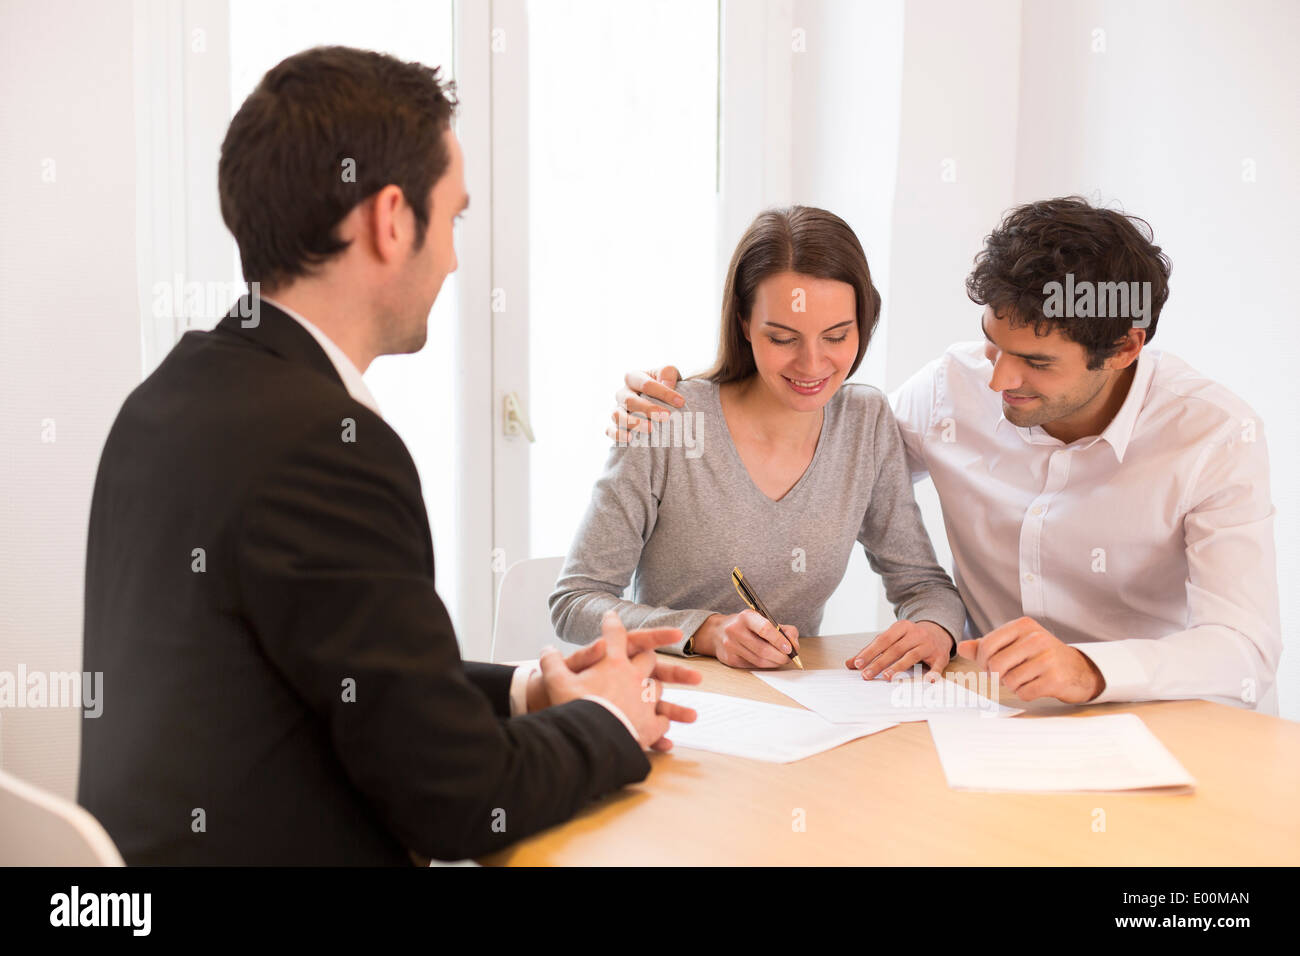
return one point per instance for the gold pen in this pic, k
(750, 598)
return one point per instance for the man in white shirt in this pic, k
(1107, 506)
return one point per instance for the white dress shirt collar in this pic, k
(1120, 430)
(347, 370)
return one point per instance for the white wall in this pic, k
(846, 160)
(1163, 122)
(69, 334)
(956, 168)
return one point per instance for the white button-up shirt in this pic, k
(356, 386)
(1149, 546)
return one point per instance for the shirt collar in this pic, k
(347, 370)
(1119, 432)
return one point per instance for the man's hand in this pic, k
(746, 639)
(637, 647)
(667, 670)
(1031, 662)
(636, 411)
(905, 643)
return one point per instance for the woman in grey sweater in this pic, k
(773, 465)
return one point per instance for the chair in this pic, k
(38, 828)
(523, 625)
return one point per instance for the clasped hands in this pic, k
(622, 667)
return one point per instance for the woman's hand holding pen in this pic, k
(746, 639)
(905, 643)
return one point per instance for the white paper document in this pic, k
(843, 697)
(747, 728)
(1111, 752)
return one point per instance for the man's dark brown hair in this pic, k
(801, 239)
(326, 129)
(1042, 242)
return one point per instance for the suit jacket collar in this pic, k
(270, 328)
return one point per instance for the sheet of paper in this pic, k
(843, 697)
(747, 728)
(1109, 752)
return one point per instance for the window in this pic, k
(623, 268)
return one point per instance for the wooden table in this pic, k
(883, 799)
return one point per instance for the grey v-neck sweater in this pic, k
(675, 515)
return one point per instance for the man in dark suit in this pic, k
(283, 684)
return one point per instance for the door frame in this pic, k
(492, 82)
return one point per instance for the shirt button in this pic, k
(1029, 577)
(1038, 509)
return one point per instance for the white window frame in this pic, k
(182, 96)
(479, 73)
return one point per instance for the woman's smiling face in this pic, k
(804, 332)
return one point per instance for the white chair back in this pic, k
(523, 625)
(38, 828)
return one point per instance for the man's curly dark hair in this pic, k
(1043, 242)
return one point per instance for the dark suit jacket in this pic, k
(293, 693)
